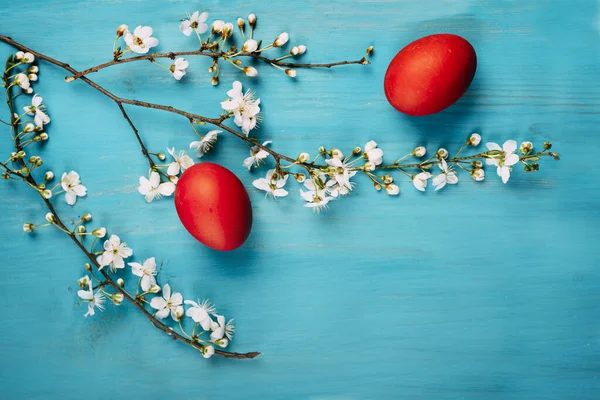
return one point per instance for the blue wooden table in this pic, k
(482, 290)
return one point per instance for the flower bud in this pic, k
(474, 139)
(24, 171)
(121, 282)
(252, 20)
(369, 50)
(29, 127)
(179, 313)
(21, 154)
(29, 90)
(526, 147)
(48, 176)
(356, 151)
(32, 77)
(392, 189)
(154, 289)
(250, 71)
(33, 69)
(81, 229)
(28, 227)
(117, 298)
(376, 184)
(99, 232)
(300, 177)
(122, 29)
(477, 174)
(336, 153)
(87, 217)
(301, 49)
(237, 62)
(295, 51)
(442, 153)
(241, 24)
(250, 46)
(477, 164)
(223, 342)
(419, 151)
(173, 179)
(88, 267)
(5, 175)
(556, 156)
(547, 145)
(217, 26)
(281, 39)
(19, 55)
(321, 150)
(28, 58)
(227, 30)
(214, 80)
(387, 179)
(83, 282)
(50, 217)
(211, 69)
(161, 156)
(291, 72)
(303, 157)
(43, 136)
(207, 351)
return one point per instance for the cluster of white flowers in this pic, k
(165, 303)
(244, 107)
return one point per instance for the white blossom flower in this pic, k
(72, 186)
(205, 144)
(281, 39)
(168, 303)
(146, 272)
(505, 159)
(341, 174)
(221, 329)
(93, 300)
(153, 188)
(316, 198)
(245, 107)
(178, 68)
(477, 174)
(420, 180)
(272, 184)
(474, 139)
(256, 156)
(114, 253)
(200, 313)
(37, 109)
(22, 81)
(447, 176)
(181, 162)
(374, 155)
(250, 46)
(141, 40)
(526, 147)
(195, 22)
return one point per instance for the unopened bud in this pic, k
(281, 39)
(50, 217)
(154, 289)
(419, 151)
(29, 90)
(32, 77)
(121, 282)
(214, 80)
(87, 217)
(241, 24)
(161, 156)
(5, 175)
(81, 229)
(387, 179)
(369, 50)
(300, 177)
(526, 147)
(117, 298)
(223, 342)
(217, 26)
(250, 46)
(321, 150)
(377, 186)
(547, 145)
(122, 29)
(474, 139)
(291, 72)
(46, 194)
(477, 164)
(250, 71)
(24, 171)
(252, 20)
(28, 227)
(43, 136)
(48, 176)
(88, 267)
(33, 69)
(336, 153)
(29, 127)
(303, 157)
(301, 49)
(99, 232)
(356, 151)
(442, 153)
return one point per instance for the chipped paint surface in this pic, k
(479, 291)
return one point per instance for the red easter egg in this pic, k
(430, 74)
(214, 206)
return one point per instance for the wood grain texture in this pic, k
(479, 291)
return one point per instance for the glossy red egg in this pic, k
(214, 206)
(430, 74)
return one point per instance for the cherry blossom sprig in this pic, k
(210, 332)
(215, 46)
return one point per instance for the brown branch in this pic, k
(214, 55)
(91, 257)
